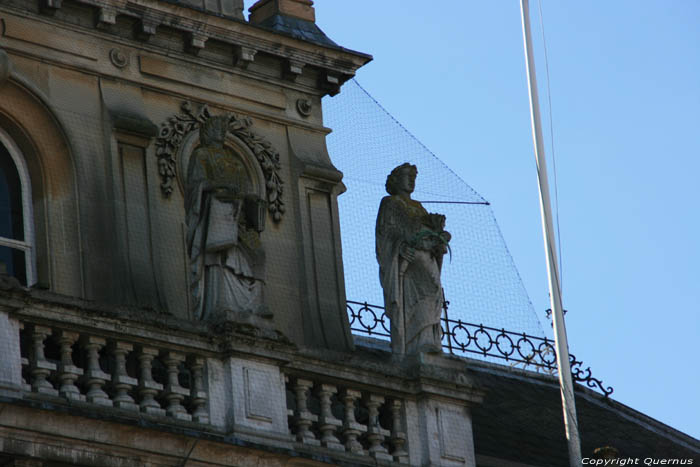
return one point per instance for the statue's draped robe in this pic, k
(221, 277)
(412, 291)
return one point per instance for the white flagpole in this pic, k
(561, 344)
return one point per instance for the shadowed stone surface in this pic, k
(232, 8)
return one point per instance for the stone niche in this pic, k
(299, 258)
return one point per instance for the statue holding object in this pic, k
(410, 244)
(224, 219)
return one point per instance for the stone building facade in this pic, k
(103, 361)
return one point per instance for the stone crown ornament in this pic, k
(173, 131)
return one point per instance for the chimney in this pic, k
(266, 9)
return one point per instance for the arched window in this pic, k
(16, 226)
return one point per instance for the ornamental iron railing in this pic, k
(461, 338)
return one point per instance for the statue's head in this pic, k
(402, 178)
(213, 130)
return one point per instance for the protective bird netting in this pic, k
(480, 279)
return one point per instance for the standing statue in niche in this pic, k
(224, 220)
(410, 245)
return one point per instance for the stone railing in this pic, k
(347, 419)
(95, 369)
(228, 386)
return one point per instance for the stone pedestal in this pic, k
(439, 422)
(445, 429)
(11, 361)
(251, 402)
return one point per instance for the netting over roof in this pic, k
(481, 281)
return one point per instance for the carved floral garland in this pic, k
(173, 131)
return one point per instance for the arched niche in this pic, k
(246, 174)
(27, 119)
(240, 134)
(237, 148)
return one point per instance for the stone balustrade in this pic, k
(223, 385)
(346, 418)
(86, 367)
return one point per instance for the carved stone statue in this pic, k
(410, 245)
(224, 219)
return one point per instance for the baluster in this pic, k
(39, 366)
(148, 388)
(352, 429)
(304, 418)
(94, 377)
(398, 436)
(25, 364)
(198, 394)
(68, 373)
(174, 393)
(375, 433)
(121, 381)
(327, 423)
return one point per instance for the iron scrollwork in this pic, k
(367, 319)
(585, 376)
(459, 337)
(499, 343)
(173, 131)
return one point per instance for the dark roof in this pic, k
(299, 29)
(521, 420)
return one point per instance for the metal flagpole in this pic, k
(561, 344)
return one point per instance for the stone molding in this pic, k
(163, 74)
(199, 27)
(5, 67)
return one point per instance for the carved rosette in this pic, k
(174, 130)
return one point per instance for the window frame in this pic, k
(26, 245)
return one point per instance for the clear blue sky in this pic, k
(625, 87)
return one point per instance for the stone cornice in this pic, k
(335, 64)
(94, 59)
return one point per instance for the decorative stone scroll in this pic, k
(173, 131)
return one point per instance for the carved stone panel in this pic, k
(258, 402)
(325, 323)
(10, 366)
(453, 433)
(257, 382)
(142, 287)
